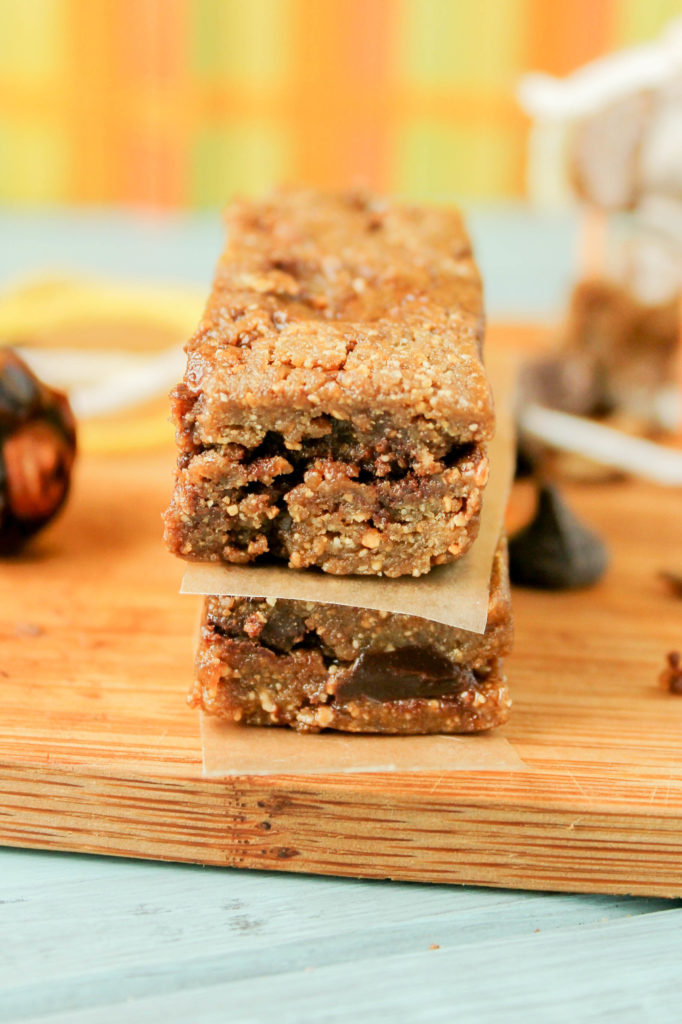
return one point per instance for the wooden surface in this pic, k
(98, 939)
(99, 753)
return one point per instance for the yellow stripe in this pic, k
(136, 433)
(32, 41)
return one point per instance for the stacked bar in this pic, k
(335, 414)
(320, 666)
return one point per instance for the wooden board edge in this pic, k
(308, 827)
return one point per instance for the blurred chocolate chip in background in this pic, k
(555, 551)
(37, 452)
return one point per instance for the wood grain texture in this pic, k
(99, 753)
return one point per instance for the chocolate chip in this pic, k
(555, 551)
(526, 459)
(285, 627)
(409, 672)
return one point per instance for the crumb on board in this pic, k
(673, 581)
(671, 676)
(28, 629)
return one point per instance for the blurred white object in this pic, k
(108, 373)
(611, 131)
(100, 383)
(602, 444)
(605, 81)
(650, 258)
(610, 135)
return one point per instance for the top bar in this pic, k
(335, 408)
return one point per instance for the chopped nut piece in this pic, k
(324, 717)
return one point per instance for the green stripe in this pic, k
(237, 159)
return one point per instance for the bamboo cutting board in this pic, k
(99, 753)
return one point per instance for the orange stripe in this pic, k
(518, 156)
(155, 31)
(175, 70)
(91, 118)
(316, 68)
(336, 85)
(365, 149)
(154, 146)
(562, 35)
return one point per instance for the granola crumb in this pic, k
(673, 580)
(671, 676)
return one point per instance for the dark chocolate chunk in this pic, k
(555, 551)
(279, 627)
(526, 459)
(408, 672)
(284, 628)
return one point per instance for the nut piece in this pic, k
(371, 539)
(324, 717)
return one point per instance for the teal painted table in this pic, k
(87, 939)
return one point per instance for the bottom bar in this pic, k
(263, 661)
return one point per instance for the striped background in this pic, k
(182, 102)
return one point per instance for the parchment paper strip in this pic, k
(234, 750)
(455, 594)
